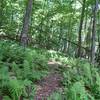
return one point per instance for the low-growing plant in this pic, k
(83, 78)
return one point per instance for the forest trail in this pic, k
(50, 83)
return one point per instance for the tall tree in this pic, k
(94, 33)
(24, 32)
(2, 12)
(88, 38)
(80, 29)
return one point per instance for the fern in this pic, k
(6, 98)
(56, 96)
(78, 92)
(15, 89)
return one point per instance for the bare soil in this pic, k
(49, 84)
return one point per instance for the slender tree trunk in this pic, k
(86, 20)
(88, 38)
(98, 50)
(80, 29)
(24, 32)
(60, 37)
(69, 35)
(1, 12)
(94, 33)
(1, 97)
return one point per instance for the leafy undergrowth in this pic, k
(81, 80)
(20, 69)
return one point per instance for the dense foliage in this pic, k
(54, 24)
(20, 69)
(35, 32)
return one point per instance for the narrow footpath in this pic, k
(50, 83)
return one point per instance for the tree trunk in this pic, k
(24, 32)
(94, 33)
(69, 35)
(1, 13)
(88, 38)
(80, 29)
(1, 97)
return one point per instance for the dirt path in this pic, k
(49, 84)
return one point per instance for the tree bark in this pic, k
(80, 29)
(93, 33)
(1, 97)
(1, 12)
(69, 35)
(88, 38)
(24, 32)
